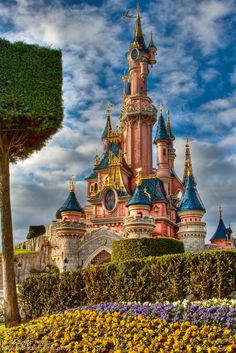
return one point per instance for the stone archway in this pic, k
(101, 256)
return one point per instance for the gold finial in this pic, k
(109, 127)
(137, 9)
(138, 28)
(139, 176)
(124, 79)
(168, 113)
(97, 160)
(188, 162)
(72, 183)
(161, 108)
(109, 108)
(220, 212)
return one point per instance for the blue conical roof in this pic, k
(161, 133)
(71, 204)
(191, 199)
(108, 128)
(139, 197)
(221, 231)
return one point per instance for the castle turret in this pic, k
(222, 238)
(162, 140)
(139, 223)
(69, 230)
(191, 210)
(138, 113)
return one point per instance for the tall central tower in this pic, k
(138, 113)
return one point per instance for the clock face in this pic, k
(110, 200)
(134, 54)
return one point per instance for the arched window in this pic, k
(164, 152)
(95, 187)
(101, 258)
(140, 214)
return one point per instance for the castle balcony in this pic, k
(70, 229)
(139, 227)
(139, 105)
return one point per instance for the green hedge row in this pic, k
(128, 249)
(169, 277)
(47, 293)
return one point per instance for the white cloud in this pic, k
(94, 42)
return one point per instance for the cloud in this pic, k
(93, 40)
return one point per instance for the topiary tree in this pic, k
(35, 231)
(30, 113)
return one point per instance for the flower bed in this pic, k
(136, 328)
(213, 312)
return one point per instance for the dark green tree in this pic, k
(35, 231)
(30, 113)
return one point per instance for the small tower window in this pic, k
(164, 152)
(95, 187)
(140, 214)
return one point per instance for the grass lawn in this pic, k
(23, 252)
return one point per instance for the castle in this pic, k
(127, 196)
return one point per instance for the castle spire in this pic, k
(188, 170)
(108, 128)
(168, 126)
(161, 132)
(221, 231)
(151, 43)
(138, 41)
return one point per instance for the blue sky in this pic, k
(195, 77)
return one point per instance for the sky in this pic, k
(195, 76)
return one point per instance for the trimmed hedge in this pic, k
(42, 294)
(127, 249)
(170, 277)
(35, 231)
(31, 107)
(30, 82)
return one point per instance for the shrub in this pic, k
(44, 294)
(36, 231)
(210, 274)
(205, 274)
(127, 249)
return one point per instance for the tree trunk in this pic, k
(12, 316)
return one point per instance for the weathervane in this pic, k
(127, 16)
